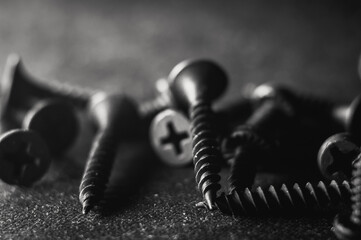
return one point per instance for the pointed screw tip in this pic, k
(86, 209)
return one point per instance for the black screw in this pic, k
(256, 137)
(115, 117)
(194, 84)
(340, 154)
(19, 90)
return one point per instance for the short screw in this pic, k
(24, 157)
(194, 84)
(171, 139)
(115, 117)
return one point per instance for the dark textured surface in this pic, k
(313, 46)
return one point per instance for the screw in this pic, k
(283, 200)
(253, 139)
(170, 138)
(24, 157)
(336, 155)
(340, 154)
(194, 84)
(115, 117)
(19, 90)
(335, 116)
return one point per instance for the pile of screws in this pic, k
(269, 121)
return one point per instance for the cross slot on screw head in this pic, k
(171, 139)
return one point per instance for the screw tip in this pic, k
(209, 198)
(86, 208)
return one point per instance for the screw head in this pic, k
(336, 155)
(56, 122)
(8, 84)
(192, 80)
(171, 138)
(24, 157)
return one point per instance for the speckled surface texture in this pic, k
(127, 45)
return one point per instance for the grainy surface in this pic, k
(127, 45)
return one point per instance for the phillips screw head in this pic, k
(171, 138)
(336, 155)
(24, 157)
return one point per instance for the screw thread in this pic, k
(206, 152)
(97, 169)
(297, 198)
(76, 95)
(249, 146)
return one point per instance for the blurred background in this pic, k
(313, 46)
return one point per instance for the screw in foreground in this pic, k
(170, 138)
(115, 117)
(24, 157)
(194, 84)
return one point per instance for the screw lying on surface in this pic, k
(194, 84)
(19, 90)
(283, 200)
(24, 157)
(115, 117)
(171, 139)
(340, 154)
(253, 139)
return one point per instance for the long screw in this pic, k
(194, 84)
(115, 117)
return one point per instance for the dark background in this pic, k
(126, 45)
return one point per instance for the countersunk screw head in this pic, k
(171, 138)
(56, 122)
(24, 157)
(194, 80)
(336, 155)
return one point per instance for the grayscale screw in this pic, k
(340, 154)
(19, 90)
(116, 117)
(170, 138)
(194, 85)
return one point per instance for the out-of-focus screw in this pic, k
(171, 139)
(253, 139)
(24, 157)
(19, 90)
(336, 155)
(194, 85)
(56, 122)
(115, 117)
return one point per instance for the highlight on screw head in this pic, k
(336, 155)
(56, 122)
(192, 80)
(24, 157)
(170, 138)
